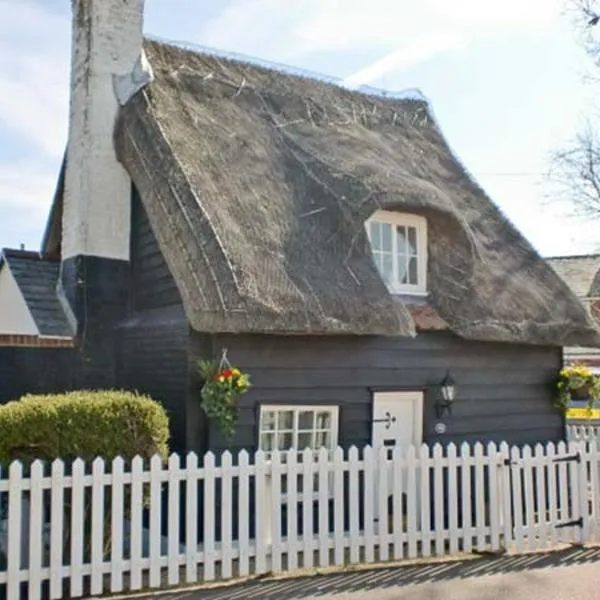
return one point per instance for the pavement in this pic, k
(571, 574)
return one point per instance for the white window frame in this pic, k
(298, 408)
(420, 224)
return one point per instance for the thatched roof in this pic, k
(258, 184)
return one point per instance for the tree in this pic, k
(576, 168)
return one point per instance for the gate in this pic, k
(548, 496)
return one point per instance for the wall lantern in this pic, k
(448, 396)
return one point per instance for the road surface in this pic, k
(572, 574)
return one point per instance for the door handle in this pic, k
(388, 420)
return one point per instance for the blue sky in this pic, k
(506, 81)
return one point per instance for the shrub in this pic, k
(83, 424)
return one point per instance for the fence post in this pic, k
(584, 490)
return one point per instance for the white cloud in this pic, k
(34, 75)
(405, 56)
(27, 185)
(284, 30)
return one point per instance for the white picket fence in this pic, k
(77, 529)
(578, 433)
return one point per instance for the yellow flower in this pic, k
(221, 379)
(235, 372)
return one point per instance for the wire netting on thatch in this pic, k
(258, 184)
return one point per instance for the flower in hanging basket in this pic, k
(577, 382)
(223, 386)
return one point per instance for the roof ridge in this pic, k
(573, 256)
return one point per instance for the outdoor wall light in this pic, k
(448, 396)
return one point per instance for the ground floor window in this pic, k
(283, 428)
(298, 427)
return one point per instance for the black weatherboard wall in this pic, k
(505, 391)
(152, 349)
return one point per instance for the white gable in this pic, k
(15, 318)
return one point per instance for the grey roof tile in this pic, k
(37, 280)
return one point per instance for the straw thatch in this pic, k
(258, 184)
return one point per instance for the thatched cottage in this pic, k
(327, 238)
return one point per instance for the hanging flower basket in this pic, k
(577, 382)
(222, 389)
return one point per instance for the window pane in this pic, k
(386, 237)
(305, 419)
(402, 269)
(387, 268)
(323, 438)
(305, 440)
(401, 247)
(285, 419)
(413, 277)
(412, 240)
(267, 422)
(267, 442)
(323, 420)
(375, 235)
(285, 441)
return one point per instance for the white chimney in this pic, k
(106, 51)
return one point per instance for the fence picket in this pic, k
(594, 491)
(495, 505)
(466, 514)
(338, 506)
(480, 509)
(529, 497)
(383, 468)
(155, 530)
(77, 527)
(552, 494)
(398, 475)
(517, 494)
(97, 539)
(575, 480)
(173, 520)
(244, 513)
(209, 515)
(425, 500)
(412, 501)
(454, 532)
(137, 503)
(57, 518)
(564, 513)
(540, 489)
(275, 512)
(191, 518)
(368, 489)
(323, 495)
(227, 516)
(439, 495)
(308, 464)
(116, 525)
(36, 503)
(291, 545)
(13, 558)
(353, 516)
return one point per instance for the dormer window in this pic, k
(399, 246)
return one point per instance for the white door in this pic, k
(397, 421)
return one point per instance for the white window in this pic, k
(399, 246)
(285, 428)
(298, 427)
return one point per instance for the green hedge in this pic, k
(83, 424)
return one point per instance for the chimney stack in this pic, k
(106, 47)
